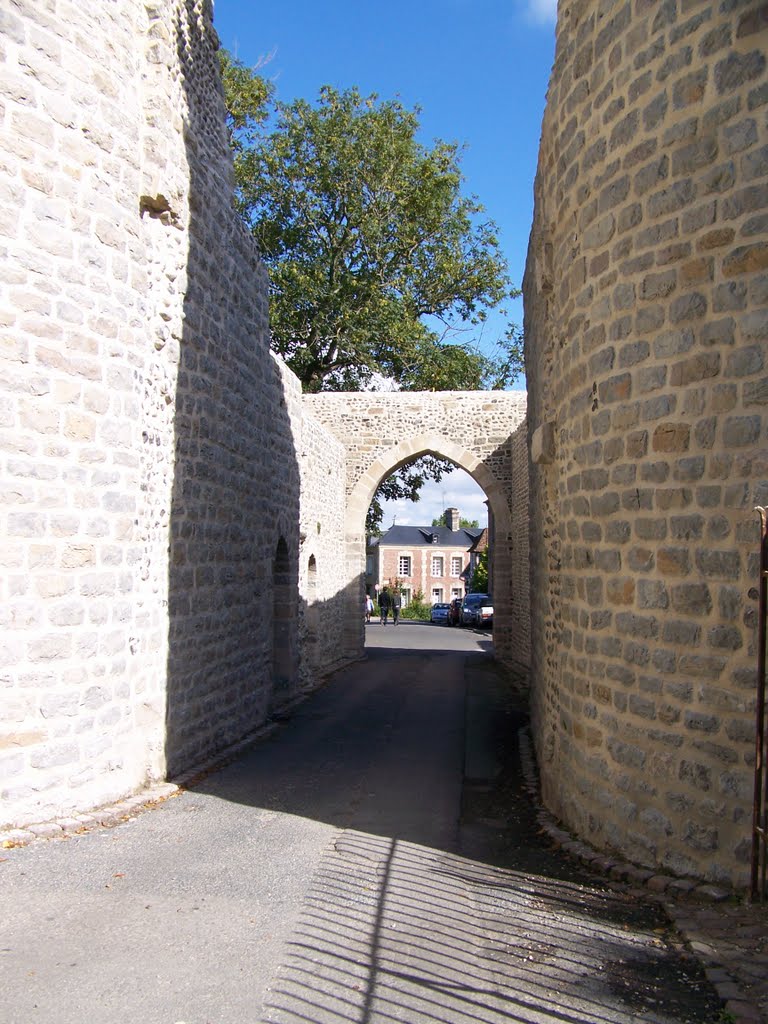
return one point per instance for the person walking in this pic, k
(385, 602)
(368, 607)
(396, 605)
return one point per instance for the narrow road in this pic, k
(374, 860)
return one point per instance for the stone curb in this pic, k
(108, 816)
(736, 1003)
(127, 809)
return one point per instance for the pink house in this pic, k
(432, 559)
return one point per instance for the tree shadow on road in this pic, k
(394, 931)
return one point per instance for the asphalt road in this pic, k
(374, 860)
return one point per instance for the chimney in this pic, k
(451, 518)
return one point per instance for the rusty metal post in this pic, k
(760, 805)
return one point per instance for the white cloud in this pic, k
(543, 12)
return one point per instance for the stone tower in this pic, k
(646, 297)
(146, 525)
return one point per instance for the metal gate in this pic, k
(758, 888)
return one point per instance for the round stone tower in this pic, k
(646, 297)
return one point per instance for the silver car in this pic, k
(477, 610)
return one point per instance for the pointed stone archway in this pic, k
(499, 522)
(480, 432)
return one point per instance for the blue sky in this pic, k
(477, 68)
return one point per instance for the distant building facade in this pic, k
(432, 559)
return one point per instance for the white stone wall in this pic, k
(519, 591)
(81, 714)
(148, 465)
(321, 570)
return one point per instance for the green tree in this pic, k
(417, 608)
(479, 583)
(379, 265)
(248, 96)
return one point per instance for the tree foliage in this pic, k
(247, 95)
(479, 584)
(379, 266)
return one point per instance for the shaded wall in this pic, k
(321, 570)
(234, 511)
(646, 290)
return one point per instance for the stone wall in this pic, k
(151, 535)
(322, 584)
(482, 433)
(83, 639)
(520, 560)
(646, 291)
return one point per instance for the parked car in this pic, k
(477, 610)
(454, 611)
(439, 613)
(484, 613)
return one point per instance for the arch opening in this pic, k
(500, 530)
(283, 616)
(312, 610)
(427, 543)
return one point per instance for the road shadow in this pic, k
(481, 921)
(394, 931)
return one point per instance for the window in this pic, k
(455, 592)
(404, 565)
(406, 596)
(437, 595)
(437, 565)
(456, 565)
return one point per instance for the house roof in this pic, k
(481, 543)
(422, 536)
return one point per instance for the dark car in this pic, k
(477, 610)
